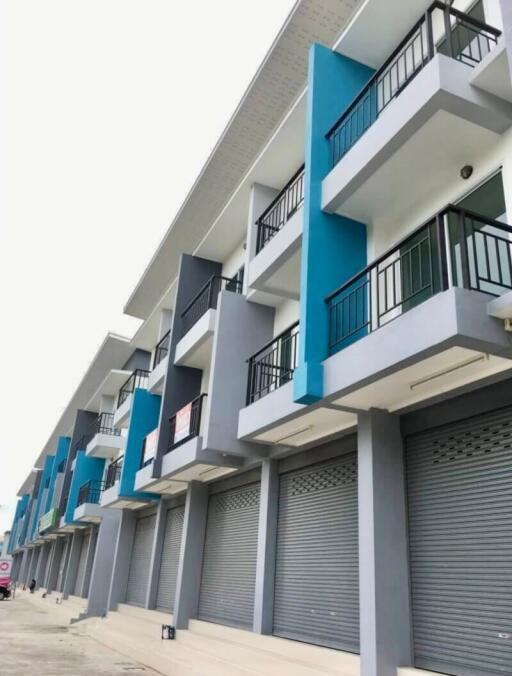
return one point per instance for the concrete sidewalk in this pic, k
(33, 642)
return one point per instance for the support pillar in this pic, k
(89, 560)
(75, 546)
(385, 609)
(64, 562)
(103, 567)
(266, 554)
(121, 561)
(191, 554)
(36, 553)
(41, 566)
(53, 575)
(156, 554)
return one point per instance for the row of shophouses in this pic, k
(310, 434)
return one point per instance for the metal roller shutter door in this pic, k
(82, 561)
(170, 558)
(138, 574)
(229, 562)
(316, 598)
(459, 479)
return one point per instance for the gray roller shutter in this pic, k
(459, 481)
(229, 562)
(168, 573)
(138, 575)
(82, 562)
(62, 564)
(316, 598)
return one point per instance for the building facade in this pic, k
(309, 436)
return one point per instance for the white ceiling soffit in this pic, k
(392, 19)
(278, 82)
(112, 354)
(28, 483)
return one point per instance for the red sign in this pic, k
(5, 572)
(150, 444)
(183, 418)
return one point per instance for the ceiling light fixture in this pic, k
(448, 371)
(294, 434)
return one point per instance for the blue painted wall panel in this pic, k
(61, 453)
(86, 469)
(143, 420)
(333, 247)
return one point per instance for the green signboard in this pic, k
(48, 520)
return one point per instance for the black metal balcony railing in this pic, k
(161, 349)
(206, 299)
(273, 365)
(442, 29)
(456, 247)
(281, 209)
(114, 472)
(104, 424)
(61, 466)
(139, 378)
(196, 409)
(90, 492)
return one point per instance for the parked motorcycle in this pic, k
(5, 593)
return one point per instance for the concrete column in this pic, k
(41, 566)
(191, 554)
(57, 554)
(51, 551)
(385, 608)
(64, 561)
(102, 572)
(31, 566)
(121, 560)
(75, 546)
(89, 560)
(14, 567)
(156, 554)
(266, 555)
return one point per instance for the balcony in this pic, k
(87, 508)
(113, 473)
(415, 324)
(138, 379)
(156, 378)
(418, 110)
(269, 400)
(198, 322)
(273, 366)
(275, 269)
(186, 423)
(105, 439)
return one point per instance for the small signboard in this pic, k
(183, 420)
(48, 520)
(5, 572)
(150, 444)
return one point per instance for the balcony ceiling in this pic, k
(277, 84)
(378, 28)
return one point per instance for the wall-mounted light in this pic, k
(466, 171)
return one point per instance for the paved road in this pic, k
(32, 643)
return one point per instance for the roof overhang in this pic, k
(112, 354)
(279, 81)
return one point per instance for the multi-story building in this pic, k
(309, 436)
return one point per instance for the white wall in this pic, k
(234, 261)
(287, 313)
(383, 234)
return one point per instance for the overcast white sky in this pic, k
(108, 110)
